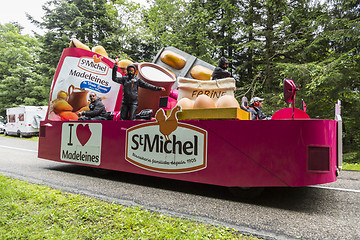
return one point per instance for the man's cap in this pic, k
(256, 99)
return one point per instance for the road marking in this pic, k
(338, 189)
(21, 149)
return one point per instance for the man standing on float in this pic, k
(129, 103)
(221, 70)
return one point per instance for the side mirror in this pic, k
(290, 92)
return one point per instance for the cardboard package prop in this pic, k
(191, 88)
(78, 73)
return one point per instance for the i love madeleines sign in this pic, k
(165, 146)
(81, 143)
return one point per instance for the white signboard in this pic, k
(183, 150)
(81, 143)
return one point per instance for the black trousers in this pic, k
(128, 112)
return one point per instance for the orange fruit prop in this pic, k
(201, 73)
(124, 63)
(61, 105)
(173, 59)
(62, 95)
(67, 115)
(76, 43)
(86, 108)
(100, 50)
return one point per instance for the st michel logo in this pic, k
(81, 143)
(93, 65)
(166, 145)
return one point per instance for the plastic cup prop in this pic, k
(157, 76)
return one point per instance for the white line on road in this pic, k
(338, 189)
(21, 149)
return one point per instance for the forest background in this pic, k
(315, 43)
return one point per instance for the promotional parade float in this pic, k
(193, 131)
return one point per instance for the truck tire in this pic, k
(19, 134)
(5, 133)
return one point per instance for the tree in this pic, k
(339, 77)
(249, 40)
(164, 21)
(20, 81)
(93, 22)
(265, 41)
(328, 67)
(224, 34)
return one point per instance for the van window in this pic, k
(21, 117)
(12, 118)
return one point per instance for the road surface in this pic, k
(330, 211)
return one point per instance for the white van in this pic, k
(24, 120)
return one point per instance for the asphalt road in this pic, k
(330, 211)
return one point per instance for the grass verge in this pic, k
(351, 166)
(33, 138)
(30, 211)
(350, 161)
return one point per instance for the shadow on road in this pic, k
(300, 199)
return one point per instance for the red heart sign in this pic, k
(83, 133)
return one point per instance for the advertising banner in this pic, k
(79, 73)
(192, 88)
(167, 146)
(81, 143)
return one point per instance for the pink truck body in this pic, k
(233, 153)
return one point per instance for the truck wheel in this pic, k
(19, 134)
(5, 133)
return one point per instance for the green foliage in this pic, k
(38, 212)
(351, 157)
(165, 21)
(351, 166)
(111, 24)
(21, 82)
(338, 75)
(316, 44)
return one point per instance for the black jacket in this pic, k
(130, 86)
(220, 73)
(97, 108)
(256, 113)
